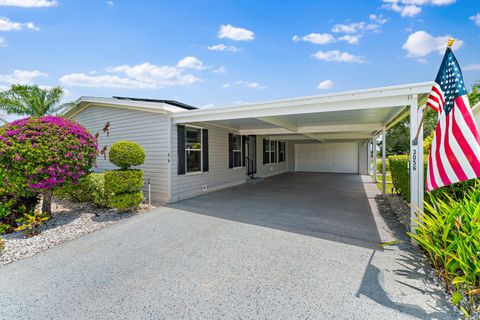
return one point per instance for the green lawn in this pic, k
(388, 177)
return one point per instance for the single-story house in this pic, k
(192, 151)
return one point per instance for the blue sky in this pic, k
(227, 52)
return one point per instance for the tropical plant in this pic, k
(449, 232)
(30, 222)
(31, 100)
(39, 154)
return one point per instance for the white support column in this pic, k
(384, 160)
(416, 162)
(374, 164)
(421, 178)
(369, 157)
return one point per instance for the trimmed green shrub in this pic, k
(126, 154)
(90, 188)
(125, 201)
(400, 175)
(122, 188)
(401, 180)
(449, 232)
(123, 181)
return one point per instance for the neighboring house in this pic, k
(191, 151)
(476, 113)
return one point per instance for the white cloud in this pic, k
(159, 75)
(141, 76)
(103, 81)
(221, 69)
(22, 77)
(209, 105)
(3, 42)
(191, 63)
(472, 67)
(238, 34)
(351, 39)
(327, 84)
(110, 3)
(476, 19)
(316, 38)
(338, 56)
(355, 27)
(222, 47)
(29, 3)
(8, 25)
(420, 44)
(411, 8)
(246, 84)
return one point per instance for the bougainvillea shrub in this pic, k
(41, 153)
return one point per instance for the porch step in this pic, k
(255, 180)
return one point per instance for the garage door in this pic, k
(327, 157)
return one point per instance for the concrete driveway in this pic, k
(298, 246)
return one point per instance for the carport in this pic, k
(331, 133)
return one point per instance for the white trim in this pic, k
(363, 99)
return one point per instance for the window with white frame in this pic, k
(193, 149)
(237, 150)
(269, 151)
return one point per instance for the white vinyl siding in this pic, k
(327, 157)
(219, 175)
(270, 169)
(148, 129)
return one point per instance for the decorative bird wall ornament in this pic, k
(106, 128)
(96, 135)
(103, 152)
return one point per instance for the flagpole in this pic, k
(415, 141)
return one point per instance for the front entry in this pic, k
(251, 155)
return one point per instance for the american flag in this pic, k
(455, 151)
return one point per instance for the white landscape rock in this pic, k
(69, 221)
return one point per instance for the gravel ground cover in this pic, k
(69, 221)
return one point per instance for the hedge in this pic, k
(90, 188)
(401, 180)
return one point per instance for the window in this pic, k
(193, 149)
(237, 150)
(281, 152)
(269, 151)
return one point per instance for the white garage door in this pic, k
(327, 157)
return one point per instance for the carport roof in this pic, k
(344, 116)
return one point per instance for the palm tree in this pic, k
(31, 100)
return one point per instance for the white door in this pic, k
(339, 157)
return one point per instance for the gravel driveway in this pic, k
(180, 262)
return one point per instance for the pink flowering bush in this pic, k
(40, 154)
